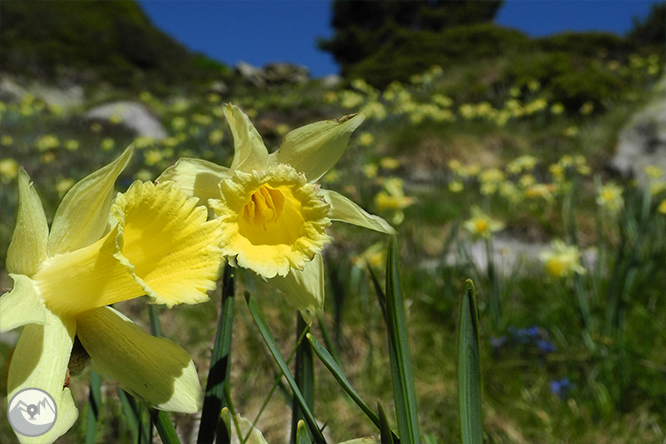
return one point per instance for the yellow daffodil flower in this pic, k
(393, 200)
(563, 260)
(150, 240)
(273, 213)
(610, 199)
(481, 225)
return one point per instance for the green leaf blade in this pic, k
(469, 371)
(266, 334)
(219, 373)
(399, 353)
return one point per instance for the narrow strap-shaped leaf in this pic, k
(134, 418)
(218, 375)
(332, 366)
(279, 359)
(327, 338)
(469, 372)
(399, 355)
(381, 297)
(304, 375)
(385, 433)
(164, 426)
(94, 406)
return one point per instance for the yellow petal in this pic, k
(272, 221)
(304, 288)
(315, 148)
(22, 305)
(28, 247)
(87, 278)
(345, 210)
(82, 216)
(248, 430)
(40, 361)
(165, 236)
(155, 369)
(196, 177)
(250, 153)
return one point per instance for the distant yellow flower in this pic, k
(6, 140)
(610, 198)
(215, 136)
(63, 186)
(456, 186)
(375, 256)
(47, 142)
(481, 225)
(273, 213)
(71, 145)
(527, 180)
(151, 241)
(557, 108)
(562, 260)
(522, 163)
(178, 123)
(653, 171)
(393, 199)
(142, 142)
(587, 108)
(389, 163)
(366, 139)
(557, 171)
(152, 157)
(541, 190)
(107, 144)
(370, 170)
(8, 170)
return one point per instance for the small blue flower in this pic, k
(546, 346)
(560, 388)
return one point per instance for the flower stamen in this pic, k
(264, 206)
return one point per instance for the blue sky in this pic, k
(264, 31)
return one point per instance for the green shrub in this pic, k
(412, 53)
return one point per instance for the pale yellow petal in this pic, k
(165, 236)
(40, 361)
(87, 278)
(22, 305)
(304, 288)
(254, 436)
(83, 214)
(250, 153)
(345, 210)
(196, 177)
(314, 149)
(155, 369)
(28, 247)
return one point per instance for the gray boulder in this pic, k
(133, 116)
(642, 142)
(286, 74)
(251, 74)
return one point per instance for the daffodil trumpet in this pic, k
(151, 240)
(273, 213)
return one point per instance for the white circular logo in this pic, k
(32, 412)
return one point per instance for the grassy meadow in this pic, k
(572, 335)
